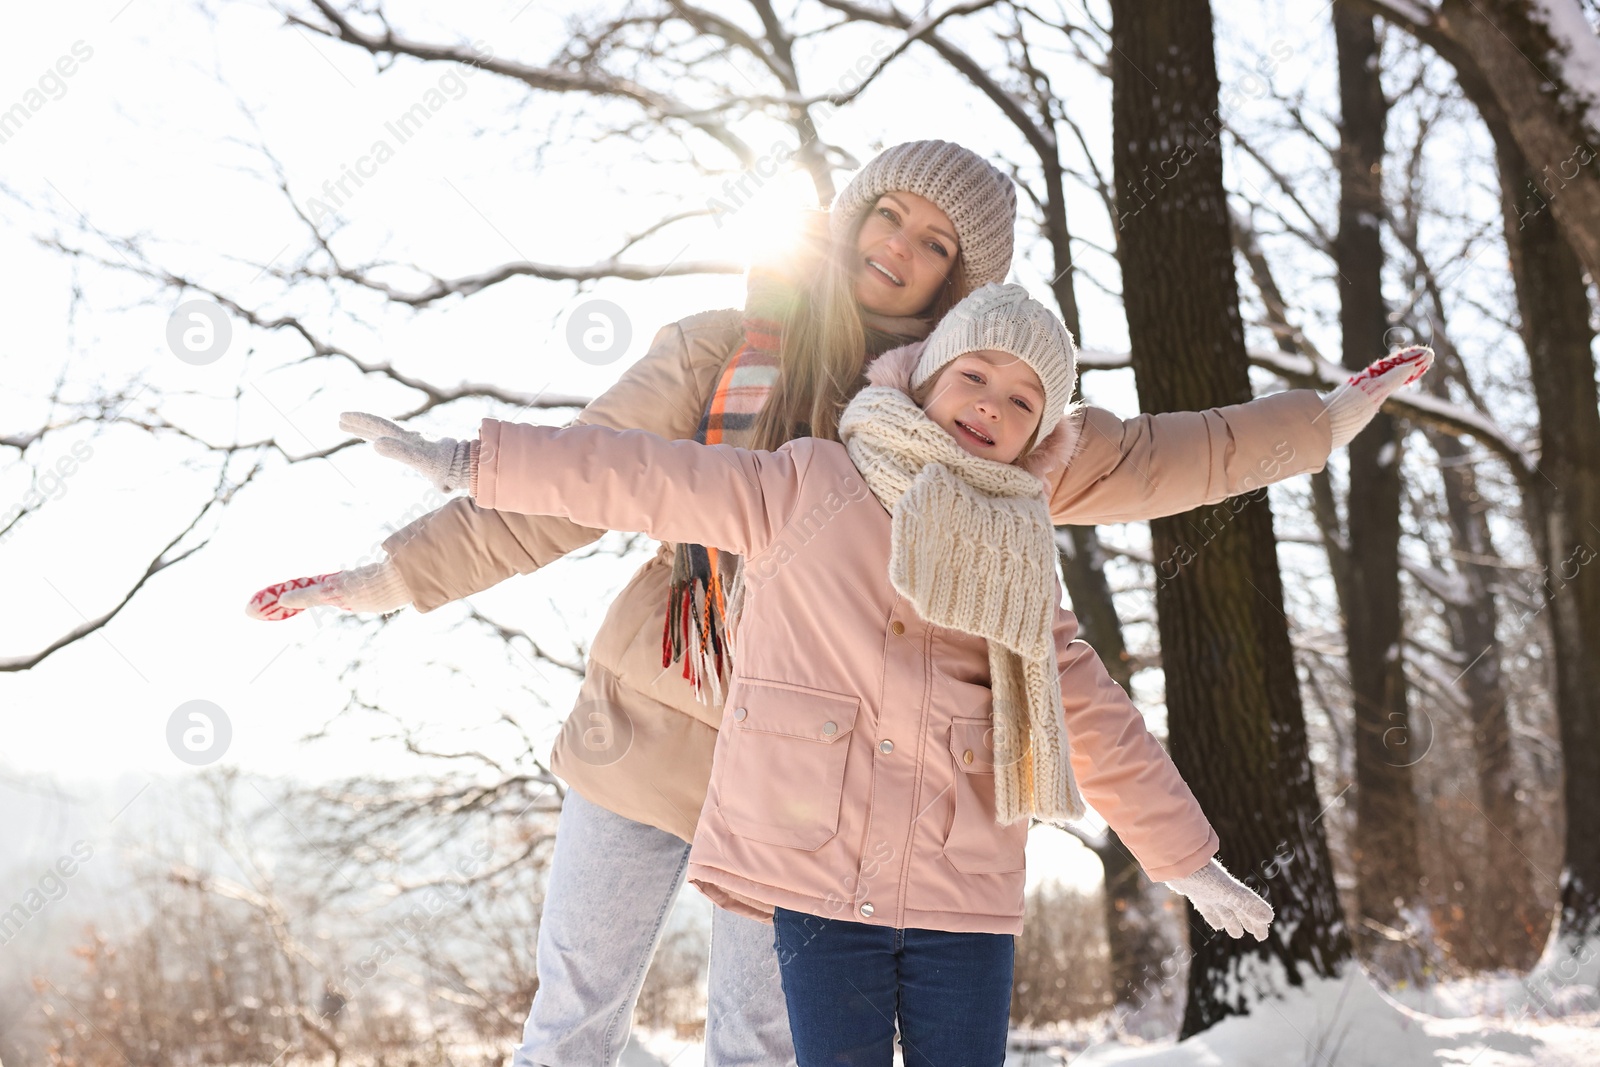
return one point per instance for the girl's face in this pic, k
(904, 253)
(989, 401)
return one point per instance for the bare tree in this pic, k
(1505, 916)
(1534, 58)
(1553, 245)
(1388, 864)
(258, 930)
(1510, 929)
(1234, 712)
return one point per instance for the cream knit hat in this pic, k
(981, 202)
(1005, 318)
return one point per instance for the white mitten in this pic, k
(377, 587)
(1224, 901)
(1351, 406)
(447, 463)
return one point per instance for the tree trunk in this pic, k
(1523, 65)
(1236, 727)
(1564, 517)
(1552, 227)
(1385, 848)
(1324, 506)
(1510, 934)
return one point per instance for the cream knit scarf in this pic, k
(972, 549)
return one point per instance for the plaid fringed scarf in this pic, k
(705, 589)
(697, 606)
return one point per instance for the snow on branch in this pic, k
(1577, 54)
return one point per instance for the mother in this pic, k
(918, 228)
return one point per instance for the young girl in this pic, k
(914, 231)
(906, 684)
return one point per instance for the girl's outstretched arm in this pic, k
(1121, 768)
(1123, 470)
(1129, 779)
(729, 498)
(460, 549)
(451, 548)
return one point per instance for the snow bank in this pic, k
(1548, 1018)
(1347, 1022)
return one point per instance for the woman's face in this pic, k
(904, 255)
(988, 401)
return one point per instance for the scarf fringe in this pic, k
(695, 631)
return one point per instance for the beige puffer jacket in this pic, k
(638, 742)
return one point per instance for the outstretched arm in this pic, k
(1162, 464)
(1153, 465)
(1129, 779)
(461, 548)
(729, 498)
(1121, 768)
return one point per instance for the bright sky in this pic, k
(157, 131)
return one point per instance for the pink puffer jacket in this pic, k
(853, 775)
(1124, 470)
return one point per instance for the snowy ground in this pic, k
(1343, 1023)
(1348, 1023)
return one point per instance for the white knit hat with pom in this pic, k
(1004, 318)
(980, 201)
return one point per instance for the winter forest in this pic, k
(327, 840)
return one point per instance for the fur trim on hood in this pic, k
(893, 370)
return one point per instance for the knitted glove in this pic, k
(376, 587)
(1224, 901)
(447, 463)
(1351, 406)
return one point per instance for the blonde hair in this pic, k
(824, 344)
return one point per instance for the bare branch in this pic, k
(588, 79)
(467, 285)
(163, 559)
(436, 395)
(1320, 374)
(509, 634)
(1323, 241)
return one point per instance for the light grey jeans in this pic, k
(612, 885)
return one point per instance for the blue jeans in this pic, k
(847, 983)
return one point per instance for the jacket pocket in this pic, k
(786, 748)
(976, 843)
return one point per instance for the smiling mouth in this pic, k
(978, 435)
(886, 272)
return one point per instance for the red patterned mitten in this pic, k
(377, 587)
(287, 599)
(1351, 406)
